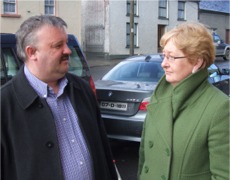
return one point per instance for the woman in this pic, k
(186, 131)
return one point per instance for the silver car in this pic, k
(124, 92)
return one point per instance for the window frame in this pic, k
(181, 10)
(50, 6)
(163, 9)
(10, 4)
(136, 43)
(136, 12)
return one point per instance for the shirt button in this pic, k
(64, 119)
(81, 162)
(163, 177)
(72, 140)
(49, 144)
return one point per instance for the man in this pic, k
(51, 124)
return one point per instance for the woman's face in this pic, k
(175, 64)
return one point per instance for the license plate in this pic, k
(114, 106)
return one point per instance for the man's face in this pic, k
(50, 61)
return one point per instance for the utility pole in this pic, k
(131, 28)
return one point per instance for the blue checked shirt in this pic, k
(75, 156)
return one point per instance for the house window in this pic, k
(49, 7)
(9, 6)
(163, 8)
(135, 7)
(161, 31)
(135, 34)
(181, 10)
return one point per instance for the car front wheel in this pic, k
(227, 55)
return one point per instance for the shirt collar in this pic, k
(42, 88)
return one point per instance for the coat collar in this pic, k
(184, 93)
(24, 92)
(167, 102)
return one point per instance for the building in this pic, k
(14, 12)
(103, 26)
(216, 14)
(106, 27)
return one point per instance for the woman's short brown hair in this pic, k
(194, 40)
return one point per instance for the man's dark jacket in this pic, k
(29, 144)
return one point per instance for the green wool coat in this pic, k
(186, 132)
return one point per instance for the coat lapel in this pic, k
(164, 122)
(25, 94)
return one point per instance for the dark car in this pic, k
(10, 63)
(222, 49)
(125, 90)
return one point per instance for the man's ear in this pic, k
(31, 52)
(198, 65)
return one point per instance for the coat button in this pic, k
(146, 169)
(167, 151)
(40, 105)
(49, 144)
(151, 144)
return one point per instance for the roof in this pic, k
(215, 5)
(7, 38)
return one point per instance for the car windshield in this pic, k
(216, 38)
(140, 71)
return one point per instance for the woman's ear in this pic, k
(31, 53)
(198, 65)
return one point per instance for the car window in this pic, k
(136, 71)
(2, 70)
(9, 62)
(3, 75)
(75, 64)
(216, 38)
(150, 71)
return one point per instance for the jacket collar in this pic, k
(24, 92)
(184, 93)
